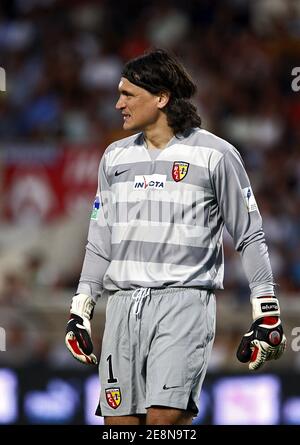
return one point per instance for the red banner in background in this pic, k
(42, 183)
(79, 177)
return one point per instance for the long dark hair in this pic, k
(158, 71)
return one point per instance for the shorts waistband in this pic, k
(160, 290)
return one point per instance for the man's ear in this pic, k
(163, 99)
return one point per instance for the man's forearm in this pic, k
(256, 264)
(93, 270)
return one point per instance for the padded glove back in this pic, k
(265, 339)
(78, 333)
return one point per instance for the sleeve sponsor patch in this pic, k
(96, 208)
(250, 199)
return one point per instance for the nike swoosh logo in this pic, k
(119, 173)
(170, 387)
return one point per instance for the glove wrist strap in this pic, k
(265, 307)
(83, 306)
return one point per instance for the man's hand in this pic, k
(265, 339)
(78, 332)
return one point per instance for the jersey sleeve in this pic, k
(98, 248)
(243, 221)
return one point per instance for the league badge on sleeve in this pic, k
(179, 170)
(96, 207)
(250, 199)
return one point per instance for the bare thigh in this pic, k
(125, 420)
(160, 415)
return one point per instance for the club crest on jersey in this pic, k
(179, 170)
(113, 397)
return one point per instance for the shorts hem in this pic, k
(115, 413)
(183, 405)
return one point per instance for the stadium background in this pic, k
(63, 60)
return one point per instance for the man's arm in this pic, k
(97, 259)
(98, 249)
(243, 221)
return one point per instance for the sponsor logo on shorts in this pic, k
(179, 170)
(113, 397)
(170, 387)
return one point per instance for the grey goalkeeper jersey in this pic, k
(159, 222)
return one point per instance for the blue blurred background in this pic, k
(63, 61)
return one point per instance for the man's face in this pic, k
(140, 109)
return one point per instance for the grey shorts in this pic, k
(155, 349)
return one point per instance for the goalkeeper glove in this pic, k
(265, 339)
(78, 332)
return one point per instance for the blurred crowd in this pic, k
(63, 61)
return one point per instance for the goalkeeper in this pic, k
(155, 246)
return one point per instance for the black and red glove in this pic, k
(78, 333)
(265, 339)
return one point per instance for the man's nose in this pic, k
(120, 104)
